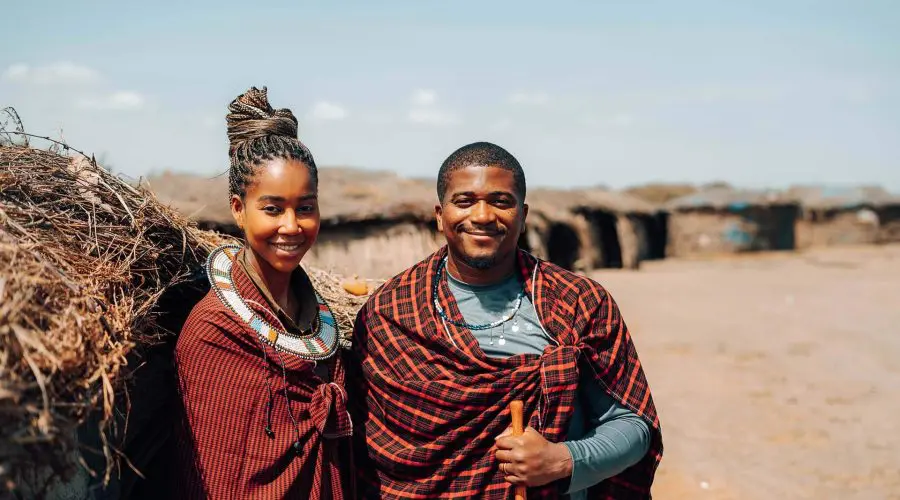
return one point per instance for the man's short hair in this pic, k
(483, 154)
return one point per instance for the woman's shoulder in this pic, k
(208, 320)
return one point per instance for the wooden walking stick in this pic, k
(515, 410)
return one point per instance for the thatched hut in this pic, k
(845, 215)
(725, 220)
(597, 228)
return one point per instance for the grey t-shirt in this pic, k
(604, 437)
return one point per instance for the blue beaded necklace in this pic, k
(440, 310)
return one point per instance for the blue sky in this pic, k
(619, 93)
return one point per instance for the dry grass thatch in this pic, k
(553, 201)
(84, 258)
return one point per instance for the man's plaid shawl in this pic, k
(432, 407)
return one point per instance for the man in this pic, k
(445, 346)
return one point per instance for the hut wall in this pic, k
(632, 240)
(710, 231)
(533, 242)
(373, 251)
(837, 227)
(889, 224)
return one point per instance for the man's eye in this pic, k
(272, 209)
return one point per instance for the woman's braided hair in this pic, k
(258, 133)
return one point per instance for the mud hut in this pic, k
(831, 215)
(584, 229)
(725, 220)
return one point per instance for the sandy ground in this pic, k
(776, 376)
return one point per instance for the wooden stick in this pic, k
(515, 410)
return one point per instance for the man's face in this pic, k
(481, 215)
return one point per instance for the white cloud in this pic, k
(118, 101)
(424, 97)
(324, 110)
(529, 98)
(61, 73)
(431, 116)
(426, 112)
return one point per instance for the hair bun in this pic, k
(252, 117)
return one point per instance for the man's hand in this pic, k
(530, 459)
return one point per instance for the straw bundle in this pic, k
(84, 260)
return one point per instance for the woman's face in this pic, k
(279, 213)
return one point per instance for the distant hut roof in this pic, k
(589, 199)
(345, 195)
(726, 198)
(841, 197)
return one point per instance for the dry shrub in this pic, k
(84, 258)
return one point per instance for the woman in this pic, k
(261, 380)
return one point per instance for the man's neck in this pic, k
(465, 273)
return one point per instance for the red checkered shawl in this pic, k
(226, 451)
(434, 406)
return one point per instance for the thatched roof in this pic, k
(726, 198)
(84, 260)
(841, 197)
(572, 200)
(345, 195)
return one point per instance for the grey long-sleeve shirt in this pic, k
(604, 437)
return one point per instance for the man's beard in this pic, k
(480, 263)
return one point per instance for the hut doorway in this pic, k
(563, 245)
(657, 235)
(607, 239)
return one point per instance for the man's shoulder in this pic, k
(401, 283)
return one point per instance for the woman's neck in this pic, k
(277, 283)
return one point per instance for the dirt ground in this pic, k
(776, 376)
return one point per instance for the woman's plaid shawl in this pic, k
(432, 407)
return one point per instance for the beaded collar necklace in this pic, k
(440, 310)
(320, 344)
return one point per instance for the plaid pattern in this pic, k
(225, 450)
(432, 406)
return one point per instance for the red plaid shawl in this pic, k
(225, 450)
(434, 409)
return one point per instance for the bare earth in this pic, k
(775, 376)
